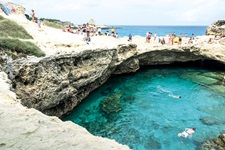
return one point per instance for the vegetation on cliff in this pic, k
(53, 24)
(10, 32)
(17, 48)
(9, 29)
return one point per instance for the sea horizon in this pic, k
(161, 30)
(155, 25)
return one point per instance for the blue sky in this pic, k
(129, 12)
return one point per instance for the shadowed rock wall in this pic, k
(56, 85)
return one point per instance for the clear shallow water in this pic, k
(148, 116)
(159, 30)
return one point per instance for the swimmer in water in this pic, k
(187, 133)
(175, 96)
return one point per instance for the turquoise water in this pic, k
(140, 110)
(159, 30)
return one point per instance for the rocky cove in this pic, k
(56, 84)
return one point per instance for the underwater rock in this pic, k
(216, 143)
(218, 88)
(132, 137)
(211, 121)
(112, 103)
(152, 144)
(214, 110)
(200, 79)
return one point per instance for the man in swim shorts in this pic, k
(187, 133)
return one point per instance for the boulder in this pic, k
(217, 28)
(111, 104)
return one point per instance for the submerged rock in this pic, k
(202, 79)
(218, 88)
(216, 143)
(152, 144)
(112, 103)
(211, 121)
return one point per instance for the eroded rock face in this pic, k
(216, 28)
(56, 85)
(23, 128)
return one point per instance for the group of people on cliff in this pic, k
(173, 39)
(89, 31)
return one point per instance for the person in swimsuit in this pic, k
(32, 15)
(149, 37)
(187, 133)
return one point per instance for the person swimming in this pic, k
(187, 133)
(175, 96)
(162, 90)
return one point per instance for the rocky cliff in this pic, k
(23, 128)
(216, 28)
(56, 84)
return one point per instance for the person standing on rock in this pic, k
(83, 29)
(130, 38)
(32, 15)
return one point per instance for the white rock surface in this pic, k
(23, 128)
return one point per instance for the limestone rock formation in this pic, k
(23, 128)
(55, 85)
(216, 143)
(216, 28)
(111, 104)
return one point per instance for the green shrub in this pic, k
(19, 48)
(53, 25)
(9, 28)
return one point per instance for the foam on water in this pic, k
(149, 114)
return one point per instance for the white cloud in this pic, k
(143, 12)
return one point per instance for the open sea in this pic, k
(159, 30)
